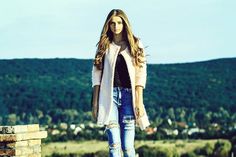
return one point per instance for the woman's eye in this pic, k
(113, 23)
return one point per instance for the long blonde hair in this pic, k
(107, 37)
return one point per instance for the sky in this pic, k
(173, 31)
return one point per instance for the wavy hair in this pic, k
(107, 36)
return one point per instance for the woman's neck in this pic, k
(118, 38)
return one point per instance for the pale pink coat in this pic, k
(137, 76)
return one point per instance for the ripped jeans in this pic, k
(121, 128)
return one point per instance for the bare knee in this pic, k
(114, 146)
(111, 125)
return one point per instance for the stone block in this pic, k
(19, 129)
(36, 149)
(23, 136)
(35, 155)
(34, 142)
(7, 137)
(21, 140)
(33, 127)
(17, 144)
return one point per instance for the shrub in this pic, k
(180, 145)
(145, 151)
(222, 148)
(207, 150)
(65, 155)
(101, 153)
(189, 154)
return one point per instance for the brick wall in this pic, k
(21, 140)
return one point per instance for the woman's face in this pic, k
(116, 25)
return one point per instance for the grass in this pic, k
(81, 147)
(78, 147)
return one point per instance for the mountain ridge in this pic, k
(55, 85)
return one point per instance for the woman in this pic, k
(118, 80)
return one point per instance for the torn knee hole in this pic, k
(114, 145)
(109, 126)
(128, 119)
(112, 125)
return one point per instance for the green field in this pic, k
(80, 147)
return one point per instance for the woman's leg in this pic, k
(127, 124)
(113, 134)
(113, 128)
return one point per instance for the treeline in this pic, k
(51, 91)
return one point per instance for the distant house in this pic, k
(55, 132)
(63, 126)
(191, 131)
(171, 132)
(82, 126)
(72, 126)
(91, 125)
(182, 124)
(77, 130)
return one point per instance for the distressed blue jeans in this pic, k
(121, 128)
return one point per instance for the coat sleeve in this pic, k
(96, 76)
(141, 72)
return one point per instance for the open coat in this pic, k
(137, 75)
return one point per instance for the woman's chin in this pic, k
(117, 33)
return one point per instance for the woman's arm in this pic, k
(95, 101)
(139, 109)
(140, 83)
(96, 76)
(96, 80)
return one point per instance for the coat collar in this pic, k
(117, 47)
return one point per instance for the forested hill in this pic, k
(57, 87)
